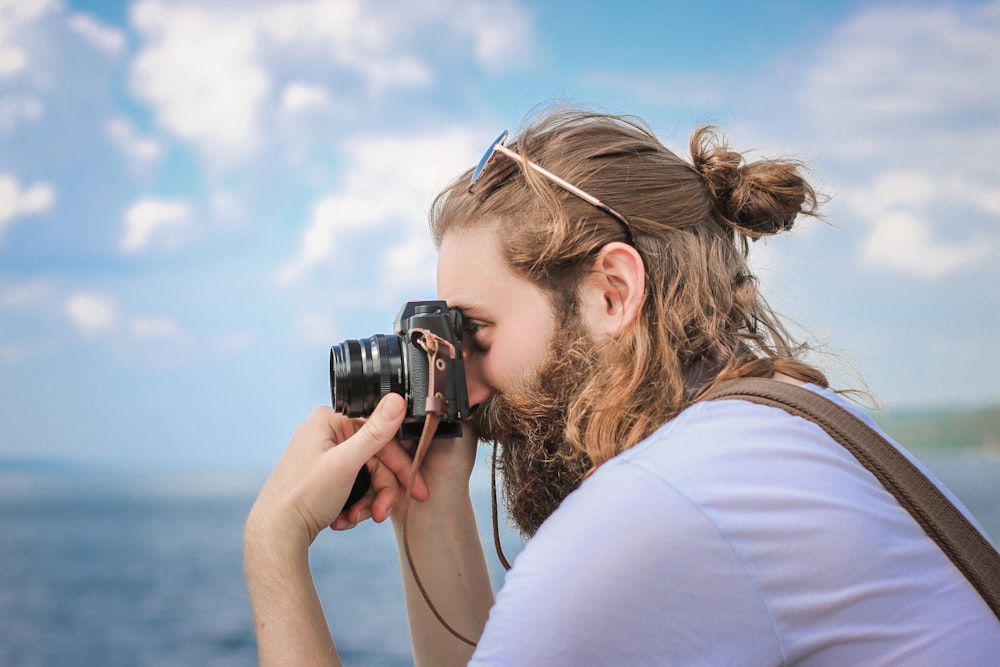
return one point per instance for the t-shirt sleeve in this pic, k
(629, 571)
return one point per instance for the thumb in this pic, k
(379, 429)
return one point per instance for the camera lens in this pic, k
(363, 371)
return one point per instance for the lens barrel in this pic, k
(363, 371)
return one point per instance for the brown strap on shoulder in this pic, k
(967, 548)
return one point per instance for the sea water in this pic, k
(137, 569)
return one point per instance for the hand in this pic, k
(446, 469)
(310, 484)
(448, 465)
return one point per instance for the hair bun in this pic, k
(758, 198)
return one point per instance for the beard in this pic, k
(527, 424)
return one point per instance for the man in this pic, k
(662, 530)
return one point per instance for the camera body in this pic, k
(363, 371)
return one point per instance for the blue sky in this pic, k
(198, 198)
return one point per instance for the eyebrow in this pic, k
(470, 311)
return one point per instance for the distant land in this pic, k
(977, 428)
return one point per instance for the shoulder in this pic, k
(735, 529)
(638, 542)
(628, 565)
(735, 445)
(766, 479)
(716, 441)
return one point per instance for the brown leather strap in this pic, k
(967, 548)
(436, 407)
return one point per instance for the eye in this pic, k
(474, 333)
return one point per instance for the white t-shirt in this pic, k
(736, 534)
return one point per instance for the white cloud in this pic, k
(904, 242)
(226, 206)
(984, 197)
(16, 201)
(410, 264)
(299, 97)
(152, 219)
(907, 102)
(501, 31)
(101, 36)
(92, 313)
(95, 314)
(17, 108)
(146, 327)
(15, 17)
(207, 70)
(891, 68)
(25, 295)
(352, 36)
(137, 148)
(902, 237)
(238, 342)
(210, 70)
(198, 69)
(12, 59)
(318, 328)
(388, 180)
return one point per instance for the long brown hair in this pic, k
(703, 318)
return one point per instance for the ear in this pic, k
(611, 296)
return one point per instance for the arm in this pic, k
(303, 496)
(288, 617)
(448, 557)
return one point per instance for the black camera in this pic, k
(363, 371)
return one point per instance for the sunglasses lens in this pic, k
(485, 160)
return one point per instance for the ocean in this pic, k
(144, 569)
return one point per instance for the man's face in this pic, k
(508, 320)
(522, 371)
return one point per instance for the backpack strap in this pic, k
(967, 548)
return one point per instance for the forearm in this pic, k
(302, 497)
(449, 559)
(290, 625)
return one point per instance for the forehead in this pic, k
(473, 276)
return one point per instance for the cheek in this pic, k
(504, 365)
(512, 360)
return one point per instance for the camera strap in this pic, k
(435, 407)
(435, 404)
(437, 375)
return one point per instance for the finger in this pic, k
(377, 431)
(360, 509)
(398, 460)
(386, 492)
(351, 516)
(359, 512)
(342, 523)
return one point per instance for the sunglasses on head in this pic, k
(498, 147)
